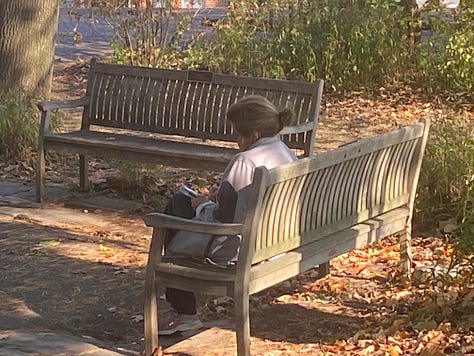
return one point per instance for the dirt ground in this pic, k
(86, 278)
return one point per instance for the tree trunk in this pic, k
(27, 32)
(413, 29)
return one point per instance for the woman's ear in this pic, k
(247, 141)
(255, 136)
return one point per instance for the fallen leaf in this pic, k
(395, 351)
(103, 248)
(49, 243)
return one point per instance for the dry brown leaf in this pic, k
(157, 352)
(395, 350)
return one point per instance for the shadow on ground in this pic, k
(299, 324)
(92, 286)
(50, 280)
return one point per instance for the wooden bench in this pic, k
(299, 216)
(166, 116)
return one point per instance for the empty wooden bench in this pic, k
(125, 107)
(299, 216)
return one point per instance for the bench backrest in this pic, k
(189, 103)
(298, 203)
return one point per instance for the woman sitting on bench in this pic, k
(257, 123)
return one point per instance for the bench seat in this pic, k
(139, 148)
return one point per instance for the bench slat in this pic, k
(343, 192)
(128, 147)
(271, 272)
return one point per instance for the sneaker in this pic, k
(172, 322)
(168, 322)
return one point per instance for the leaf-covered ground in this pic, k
(87, 278)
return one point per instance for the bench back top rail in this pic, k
(296, 204)
(190, 103)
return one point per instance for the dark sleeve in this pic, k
(227, 200)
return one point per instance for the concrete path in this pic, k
(17, 201)
(84, 33)
(19, 343)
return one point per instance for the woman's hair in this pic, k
(254, 113)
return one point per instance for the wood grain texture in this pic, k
(124, 97)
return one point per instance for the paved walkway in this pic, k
(17, 202)
(19, 343)
(84, 33)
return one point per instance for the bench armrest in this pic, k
(63, 104)
(46, 107)
(304, 127)
(161, 222)
(176, 223)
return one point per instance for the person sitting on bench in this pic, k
(257, 123)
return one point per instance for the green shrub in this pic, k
(138, 181)
(446, 185)
(348, 43)
(360, 43)
(18, 124)
(446, 56)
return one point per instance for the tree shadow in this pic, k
(300, 324)
(49, 281)
(42, 288)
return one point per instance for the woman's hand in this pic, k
(195, 202)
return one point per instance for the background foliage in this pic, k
(445, 57)
(347, 43)
(446, 187)
(18, 124)
(351, 44)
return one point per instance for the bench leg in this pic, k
(150, 322)
(242, 322)
(83, 173)
(324, 269)
(40, 172)
(406, 257)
